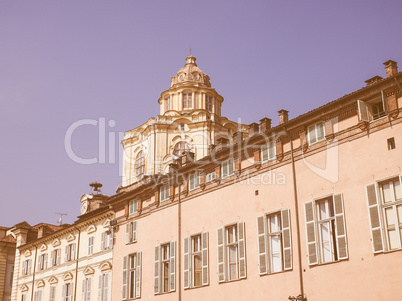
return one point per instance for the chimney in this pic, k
(265, 125)
(253, 129)
(283, 116)
(373, 80)
(391, 68)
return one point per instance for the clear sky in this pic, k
(66, 61)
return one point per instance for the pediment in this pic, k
(89, 271)
(68, 276)
(105, 266)
(53, 280)
(106, 223)
(43, 247)
(27, 253)
(70, 237)
(91, 229)
(40, 283)
(24, 288)
(56, 242)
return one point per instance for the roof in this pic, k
(8, 238)
(52, 227)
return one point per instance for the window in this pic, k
(372, 110)
(316, 133)
(67, 292)
(52, 296)
(196, 260)
(391, 143)
(180, 148)
(131, 232)
(194, 181)
(132, 207)
(326, 230)
(91, 245)
(38, 295)
(70, 252)
(385, 211)
(269, 152)
(107, 240)
(227, 168)
(231, 253)
(164, 193)
(86, 289)
(26, 267)
(139, 165)
(42, 262)
(182, 127)
(23, 297)
(208, 103)
(55, 257)
(274, 242)
(211, 176)
(167, 104)
(187, 101)
(131, 288)
(164, 268)
(103, 287)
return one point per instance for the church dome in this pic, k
(190, 74)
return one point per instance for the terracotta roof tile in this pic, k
(8, 238)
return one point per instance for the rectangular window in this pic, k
(67, 292)
(42, 262)
(372, 110)
(227, 168)
(103, 287)
(38, 295)
(385, 211)
(268, 152)
(133, 207)
(196, 260)
(391, 143)
(164, 193)
(70, 252)
(316, 133)
(165, 268)
(86, 289)
(107, 240)
(26, 267)
(208, 103)
(167, 104)
(274, 242)
(55, 257)
(131, 232)
(187, 101)
(231, 253)
(326, 230)
(52, 296)
(91, 245)
(131, 288)
(23, 297)
(211, 176)
(194, 181)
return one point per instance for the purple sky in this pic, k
(64, 61)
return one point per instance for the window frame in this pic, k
(266, 152)
(167, 103)
(131, 232)
(316, 133)
(131, 284)
(91, 241)
(165, 267)
(164, 193)
(189, 260)
(55, 257)
(365, 109)
(209, 103)
(86, 289)
(104, 287)
(210, 176)
(187, 100)
(194, 181)
(139, 164)
(229, 165)
(133, 206)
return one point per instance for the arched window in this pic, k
(187, 101)
(208, 103)
(139, 164)
(167, 103)
(180, 147)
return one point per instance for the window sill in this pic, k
(311, 144)
(327, 263)
(275, 273)
(234, 280)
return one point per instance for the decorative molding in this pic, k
(106, 223)
(91, 229)
(56, 242)
(40, 283)
(27, 253)
(88, 271)
(70, 237)
(53, 280)
(24, 288)
(43, 247)
(105, 266)
(68, 276)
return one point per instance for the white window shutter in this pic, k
(242, 250)
(64, 294)
(286, 240)
(103, 239)
(262, 245)
(172, 267)
(70, 291)
(106, 287)
(125, 279)
(38, 266)
(340, 227)
(83, 290)
(363, 110)
(58, 253)
(100, 297)
(221, 255)
(138, 276)
(384, 102)
(128, 240)
(29, 267)
(89, 289)
(45, 263)
(73, 252)
(157, 270)
(134, 235)
(205, 259)
(110, 236)
(187, 262)
(375, 220)
(309, 214)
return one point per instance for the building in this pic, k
(7, 254)
(308, 209)
(67, 262)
